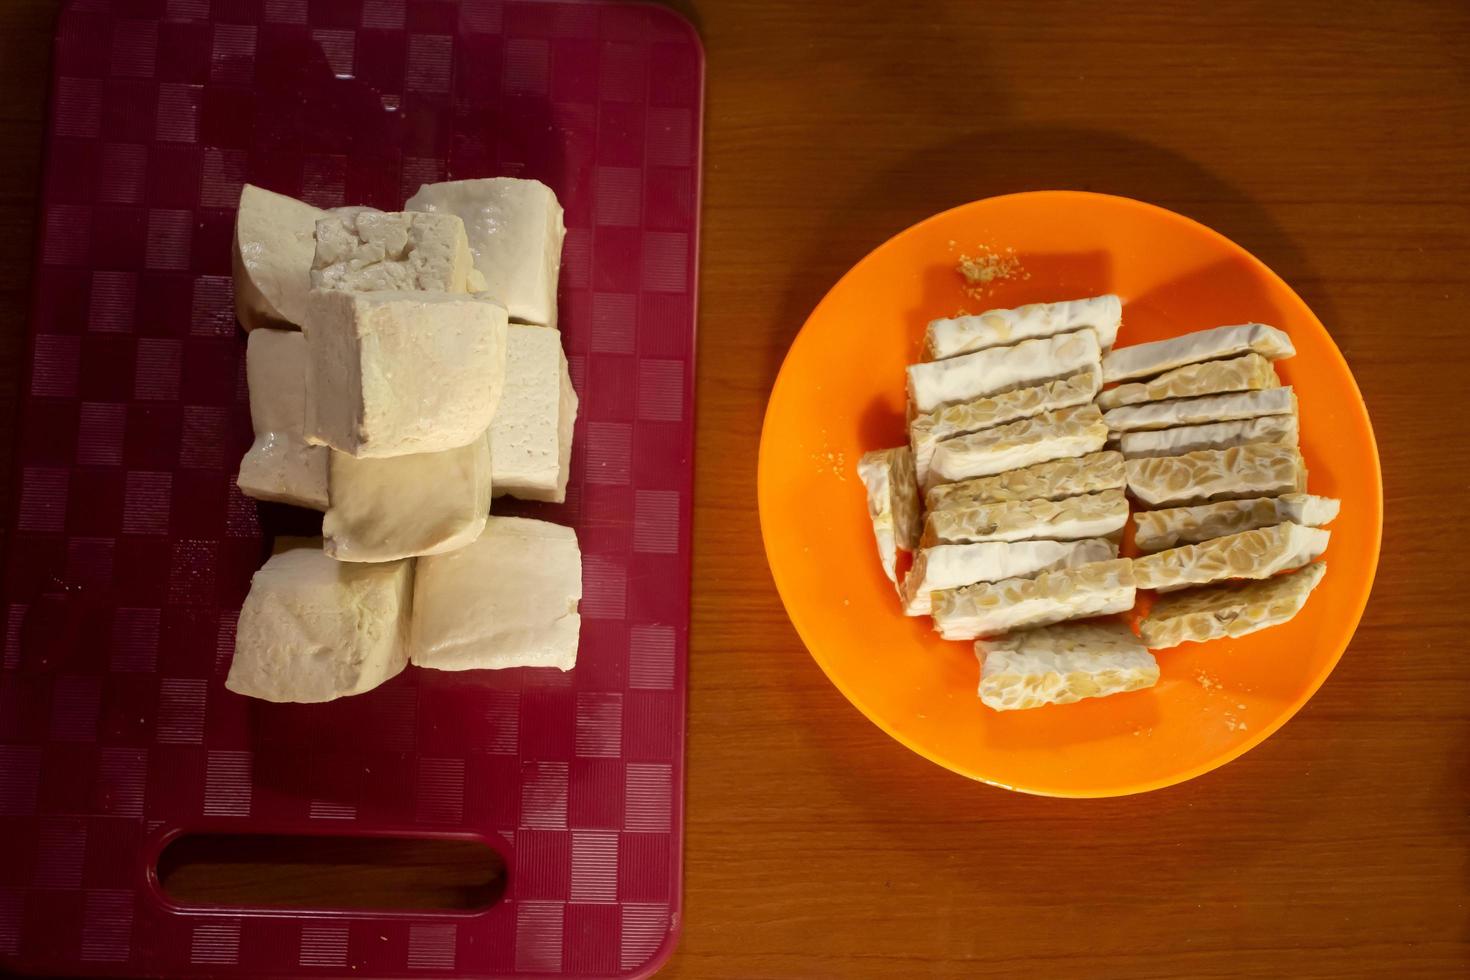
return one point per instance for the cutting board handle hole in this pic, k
(310, 872)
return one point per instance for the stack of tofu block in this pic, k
(404, 368)
(1012, 495)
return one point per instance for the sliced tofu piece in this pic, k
(1261, 469)
(507, 600)
(1215, 611)
(1249, 372)
(993, 328)
(1147, 360)
(515, 231)
(1259, 553)
(1201, 411)
(1090, 515)
(1051, 480)
(949, 566)
(893, 503)
(1061, 664)
(990, 608)
(928, 430)
(531, 434)
(1025, 442)
(1215, 435)
(402, 506)
(275, 236)
(315, 629)
(1155, 530)
(935, 384)
(395, 373)
(373, 251)
(279, 465)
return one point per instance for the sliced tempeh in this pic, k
(1091, 515)
(1052, 480)
(1201, 411)
(1061, 664)
(1261, 469)
(934, 384)
(986, 609)
(1050, 435)
(928, 430)
(1258, 553)
(949, 566)
(1215, 435)
(1146, 360)
(1159, 529)
(1249, 372)
(1208, 613)
(964, 334)
(893, 503)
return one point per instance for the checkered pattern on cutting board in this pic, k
(130, 549)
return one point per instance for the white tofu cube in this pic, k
(423, 504)
(315, 629)
(395, 373)
(515, 230)
(531, 434)
(371, 251)
(508, 600)
(279, 465)
(275, 236)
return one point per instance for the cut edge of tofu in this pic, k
(339, 533)
(559, 634)
(246, 676)
(568, 405)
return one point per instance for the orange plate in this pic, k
(841, 393)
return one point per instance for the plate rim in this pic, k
(1143, 786)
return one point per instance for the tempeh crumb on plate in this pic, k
(988, 266)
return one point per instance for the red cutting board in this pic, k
(130, 549)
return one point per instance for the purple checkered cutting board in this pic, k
(130, 549)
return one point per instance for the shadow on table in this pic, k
(986, 163)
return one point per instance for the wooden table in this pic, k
(1330, 139)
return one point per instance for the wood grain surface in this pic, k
(1330, 139)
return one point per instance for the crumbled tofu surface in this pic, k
(531, 433)
(395, 373)
(402, 506)
(509, 599)
(515, 231)
(372, 251)
(314, 629)
(280, 465)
